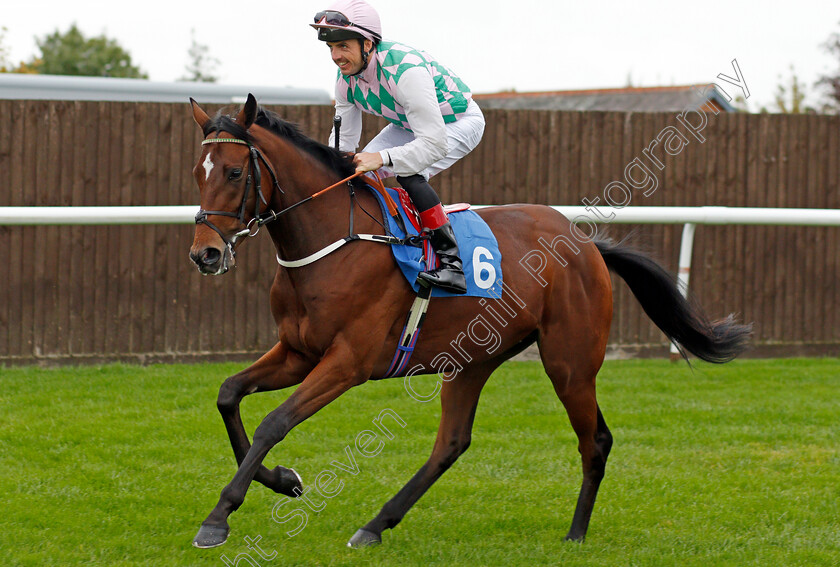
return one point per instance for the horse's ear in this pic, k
(248, 113)
(199, 115)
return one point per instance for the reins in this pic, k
(254, 176)
(274, 215)
(266, 217)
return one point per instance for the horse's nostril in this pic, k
(210, 256)
(206, 258)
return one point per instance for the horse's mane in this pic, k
(272, 122)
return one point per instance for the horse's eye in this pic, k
(235, 174)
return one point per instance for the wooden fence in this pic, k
(130, 292)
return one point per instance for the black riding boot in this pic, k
(450, 274)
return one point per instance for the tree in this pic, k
(791, 99)
(201, 65)
(830, 84)
(73, 54)
(5, 63)
(740, 104)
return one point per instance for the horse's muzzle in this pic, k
(212, 261)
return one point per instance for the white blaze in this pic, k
(208, 166)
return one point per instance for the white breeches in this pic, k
(463, 136)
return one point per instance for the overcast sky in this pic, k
(527, 45)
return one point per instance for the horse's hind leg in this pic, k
(458, 399)
(576, 389)
(594, 446)
(277, 369)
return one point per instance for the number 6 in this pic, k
(480, 254)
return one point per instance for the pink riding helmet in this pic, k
(361, 17)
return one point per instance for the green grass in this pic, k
(730, 465)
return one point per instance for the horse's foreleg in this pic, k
(458, 399)
(333, 376)
(277, 369)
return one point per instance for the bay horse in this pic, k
(339, 319)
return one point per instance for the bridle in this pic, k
(254, 177)
(260, 219)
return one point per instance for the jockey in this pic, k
(433, 120)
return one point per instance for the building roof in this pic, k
(55, 87)
(630, 99)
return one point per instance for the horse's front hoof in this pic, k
(211, 536)
(364, 538)
(286, 482)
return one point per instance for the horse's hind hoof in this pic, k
(364, 538)
(286, 482)
(211, 536)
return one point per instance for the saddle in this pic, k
(408, 207)
(479, 248)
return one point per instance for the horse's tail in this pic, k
(679, 318)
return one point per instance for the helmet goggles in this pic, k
(337, 19)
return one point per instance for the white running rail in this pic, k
(690, 217)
